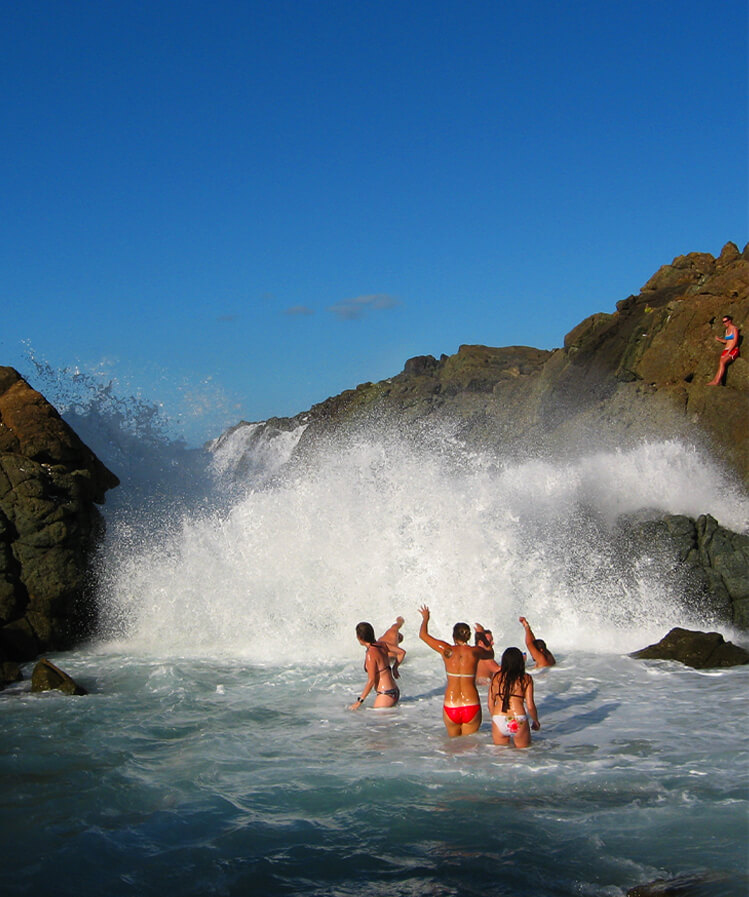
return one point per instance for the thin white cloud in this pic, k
(298, 310)
(354, 309)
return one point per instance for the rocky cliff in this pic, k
(50, 483)
(641, 371)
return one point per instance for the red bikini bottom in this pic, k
(462, 714)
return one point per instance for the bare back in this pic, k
(377, 666)
(461, 663)
(520, 695)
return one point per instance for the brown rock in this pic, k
(638, 373)
(49, 525)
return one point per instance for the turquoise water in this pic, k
(214, 753)
(211, 776)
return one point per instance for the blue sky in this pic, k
(237, 209)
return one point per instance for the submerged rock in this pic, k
(701, 650)
(9, 672)
(47, 677)
(50, 483)
(699, 884)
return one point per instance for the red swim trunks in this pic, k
(731, 353)
(462, 714)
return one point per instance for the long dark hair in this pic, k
(511, 671)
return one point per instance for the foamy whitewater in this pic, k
(215, 755)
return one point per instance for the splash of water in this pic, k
(131, 434)
(373, 526)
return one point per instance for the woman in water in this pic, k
(511, 701)
(461, 712)
(537, 646)
(730, 351)
(377, 668)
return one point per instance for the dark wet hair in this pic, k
(461, 632)
(482, 638)
(541, 645)
(365, 632)
(511, 671)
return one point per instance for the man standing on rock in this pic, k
(730, 352)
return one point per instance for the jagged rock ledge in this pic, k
(639, 372)
(50, 484)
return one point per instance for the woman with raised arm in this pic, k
(461, 711)
(537, 646)
(377, 668)
(511, 701)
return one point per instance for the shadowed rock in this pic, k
(712, 562)
(47, 677)
(701, 650)
(50, 483)
(699, 884)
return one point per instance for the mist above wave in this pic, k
(132, 435)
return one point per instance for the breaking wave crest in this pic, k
(372, 526)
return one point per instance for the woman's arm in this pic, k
(530, 638)
(531, 704)
(370, 665)
(492, 694)
(434, 643)
(399, 654)
(482, 641)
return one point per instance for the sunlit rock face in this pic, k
(50, 484)
(640, 372)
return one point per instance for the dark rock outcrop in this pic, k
(50, 483)
(9, 672)
(712, 561)
(701, 650)
(48, 677)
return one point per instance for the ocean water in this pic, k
(215, 754)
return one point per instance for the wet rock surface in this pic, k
(701, 650)
(50, 484)
(48, 677)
